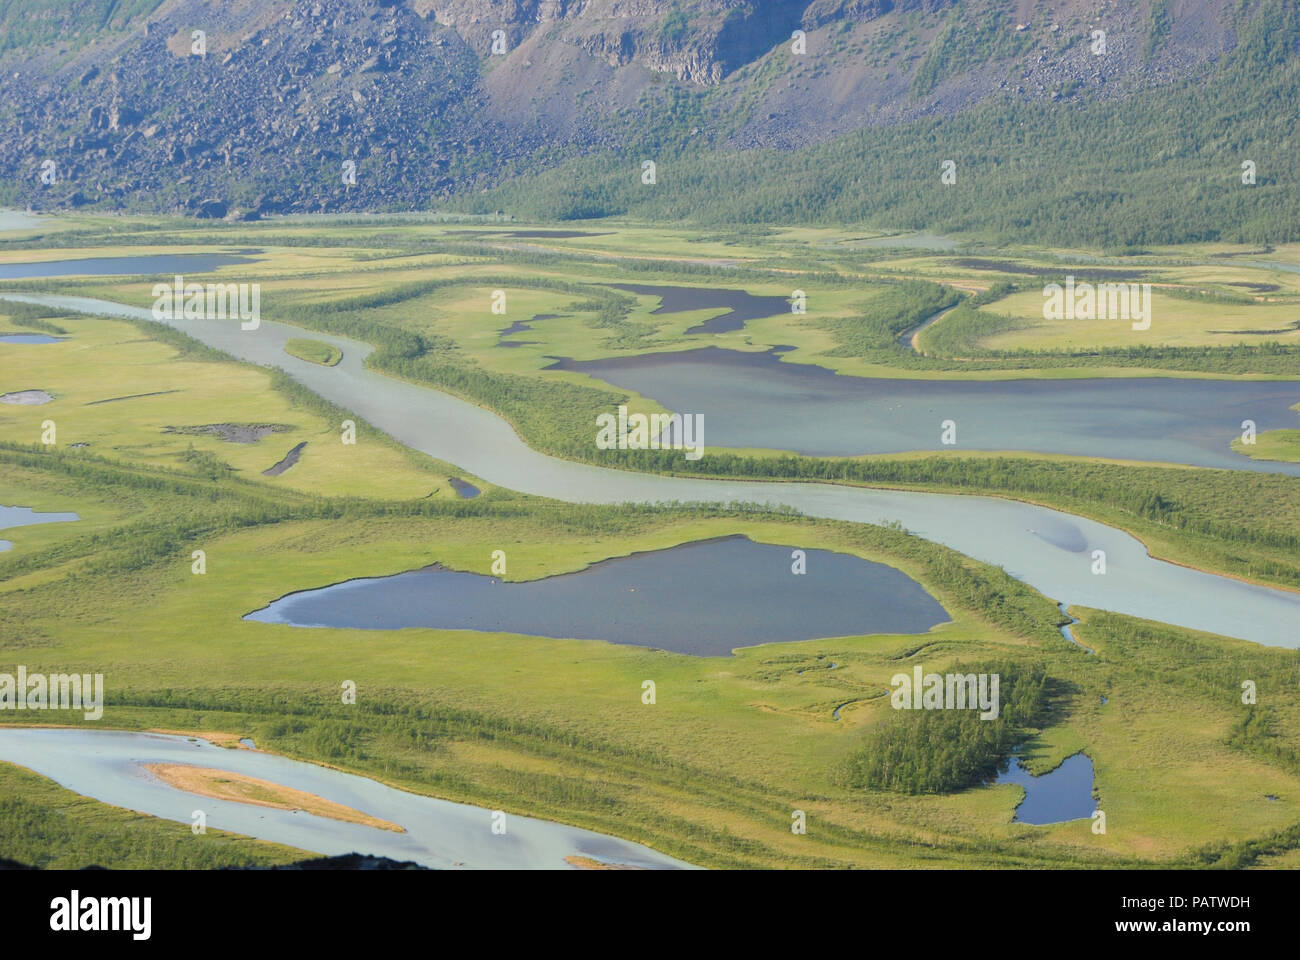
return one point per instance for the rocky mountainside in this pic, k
(251, 106)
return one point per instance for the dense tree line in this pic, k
(892, 312)
(946, 750)
(31, 316)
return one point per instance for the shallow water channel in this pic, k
(109, 765)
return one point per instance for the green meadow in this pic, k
(162, 446)
(119, 393)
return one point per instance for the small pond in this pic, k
(740, 306)
(1063, 794)
(27, 517)
(29, 338)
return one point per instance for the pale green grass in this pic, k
(314, 351)
(1174, 322)
(109, 359)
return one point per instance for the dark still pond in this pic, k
(28, 338)
(704, 598)
(1064, 794)
(464, 489)
(148, 264)
(760, 400)
(741, 306)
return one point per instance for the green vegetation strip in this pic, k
(314, 351)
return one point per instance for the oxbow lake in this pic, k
(761, 400)
(147, 265)
(704, 598)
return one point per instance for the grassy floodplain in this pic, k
(556, 728)
(122, 394)
(423, 295)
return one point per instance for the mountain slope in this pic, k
(1066, 140)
